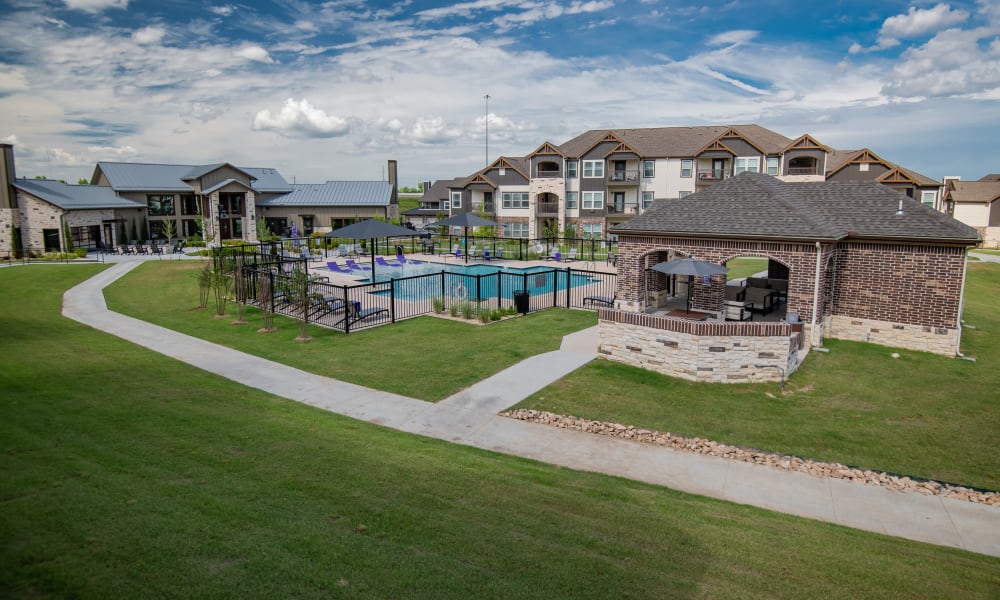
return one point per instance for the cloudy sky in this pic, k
(331, 90)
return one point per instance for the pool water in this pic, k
(475, 282)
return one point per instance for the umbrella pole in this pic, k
(690, 284)
(466, 244)
(371, 242)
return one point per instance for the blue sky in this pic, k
(331, 90)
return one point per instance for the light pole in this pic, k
(487, 98)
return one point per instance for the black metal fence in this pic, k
(285, 287)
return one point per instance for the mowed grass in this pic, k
(426, 357)
(129, 474)
(920, 414)
(745, 267)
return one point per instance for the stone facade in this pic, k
(7, 216)
(939, 340)
(701, 351)
(549, 185)
(37, 216)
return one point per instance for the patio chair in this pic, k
(736, 310)
(485, 256)
(760, 299)
(355, 266)
(556, 256)
(354, 313)
(571, 256)
(382, 263)
(320, 305)
(735, 292)
(602, 300)
(455, 249)
(428, 246)
(498, 255)
(333, 266)
(409, 261)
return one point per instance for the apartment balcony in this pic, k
(547, 208)
(548, 173)
(622, 210)
(623, 178)
(710, 176)
(802, 171)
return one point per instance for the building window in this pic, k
(687, 167)
(592, 231)
(647, 199)
(683, 193)
(515, 230)
(746, 164)
(772, 165)
(515, 199)
(593, 168)
(648, 168)
(593, 200)
(189, 205)
(571, 169)
(927, 198)
(160, 205)
(189, 229)
(456, 199)
(446, 205)
(572, 198)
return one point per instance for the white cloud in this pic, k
(299, 118)
(952, 63)
(94, 6)
(224, 10)
(149, 35)
(12, 79)
(433, 130)
(917, 22)
(732, 38)
(254, 53)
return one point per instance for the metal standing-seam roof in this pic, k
(74, 197)
(753, 205)
(143, 177)
(335, 193)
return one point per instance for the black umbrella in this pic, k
(369, 230)
(690, 267)
(465, 220)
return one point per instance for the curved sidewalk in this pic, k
(470, 417)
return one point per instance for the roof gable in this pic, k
(547, 148)
(806, 142)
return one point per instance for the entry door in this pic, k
(619, 170)
(718, 168)
(619, 202)
(307, 225)
(225, 232)
(108, 236)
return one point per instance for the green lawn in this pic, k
(921, 414)
(128, 474)
(745, 267)
(427, 357)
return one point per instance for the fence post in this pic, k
(392, 299)
(569, 280)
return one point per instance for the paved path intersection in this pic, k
(470, 417)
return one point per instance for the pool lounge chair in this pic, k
(333, 266)
(409, 261)
(571, 256)
(455, 249)
(320, 305)
(355, 266)
(380, 261)
(556, 256)
(602, 300)
(354, 313)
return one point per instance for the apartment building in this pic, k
(603, 177)
(212, 202)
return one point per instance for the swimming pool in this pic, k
(474, 282)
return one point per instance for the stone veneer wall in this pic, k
(939, 340)
(6, 219)
(548, 185)
(701, 351)
(37, 215)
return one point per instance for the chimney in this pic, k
(426, 186)
(7, 176)
(394, 199)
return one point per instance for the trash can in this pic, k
(521, 298)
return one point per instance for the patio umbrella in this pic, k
(369, 230)
(690, 267)
(465, 220)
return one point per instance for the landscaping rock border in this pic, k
(791, 463)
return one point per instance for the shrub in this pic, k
(453, 309)
(438, 305)
(484, 316)
(80, 252)
(497, 314)
(468, 310)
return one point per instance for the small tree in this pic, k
(240, 291)
(15, 241)
(569, 232)
(265, 302)
(204, 284)
(263, 231)
(122, 234)
(145, 230)
(222, 284)
(82, 181)
(135, 230)
(67, 237)
(300, 298)
(169, 229)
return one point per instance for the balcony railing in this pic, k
(547, 208)
(623, 177)
(623, 209)
(548, 172)
(712, 174)
(801, 171)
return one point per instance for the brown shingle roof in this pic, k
(661, 142)
(838, 158)
(439, 191)
(973, 191)
(759, 206)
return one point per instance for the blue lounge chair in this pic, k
(381, 262)
(333, 266)
(409, 261)
(354, 313)
(355, 266)
(603, 300)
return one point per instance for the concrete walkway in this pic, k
(469, 417)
